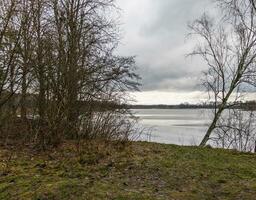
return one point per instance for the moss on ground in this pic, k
(140, 171)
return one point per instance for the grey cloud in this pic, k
(173, 15)
(155, 32)
(169, 78)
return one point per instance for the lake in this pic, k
(174, 126)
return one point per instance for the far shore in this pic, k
(249, 105)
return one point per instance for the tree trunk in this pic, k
(23, 109)
(211, 128)
(216, 118)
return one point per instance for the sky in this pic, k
(155, 31)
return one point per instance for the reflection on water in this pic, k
(174, 126)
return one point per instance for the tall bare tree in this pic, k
(229, 49)
(60, 65)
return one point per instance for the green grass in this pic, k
(140, 171)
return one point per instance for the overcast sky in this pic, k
(155, 32)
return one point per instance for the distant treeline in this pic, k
(106, 105)
(248, 105)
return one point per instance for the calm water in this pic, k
(174, 126)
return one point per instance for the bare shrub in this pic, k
(236, 130)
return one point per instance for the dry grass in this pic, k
(138, 171)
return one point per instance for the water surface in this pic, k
(174, 126)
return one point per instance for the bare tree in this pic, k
(229, 49)
(90, 72)
(58, 61)
(25, 51)
(9, 41)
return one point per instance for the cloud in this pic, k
(171, 98)
(155, 32)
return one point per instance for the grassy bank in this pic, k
(140, 171)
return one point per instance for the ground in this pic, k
(138, 171)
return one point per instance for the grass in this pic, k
(140, 171)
